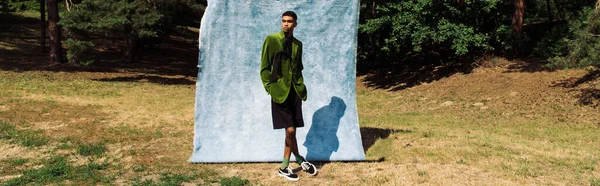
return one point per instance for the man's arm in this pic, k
(265, 65)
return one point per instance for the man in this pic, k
(281, 74)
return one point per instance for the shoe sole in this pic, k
(288, 178)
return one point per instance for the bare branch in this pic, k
(67, 5)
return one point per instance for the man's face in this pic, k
(288, 23)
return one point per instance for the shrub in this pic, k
(582, 51)
(79, 52)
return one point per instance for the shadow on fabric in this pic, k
(321, 139)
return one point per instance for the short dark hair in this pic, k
(291, 14)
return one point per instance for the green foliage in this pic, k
(586, 46)
(19, 5)
(504, 39)
(182, 12)
(79, 52)
(579, 48)
(136, 21)
(96, 149)
(129, 20)
(555, 43)
(124, 18)
(397, 31)
(234, 181)
(25, 138)
(402, 27)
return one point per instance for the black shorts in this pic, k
(288, 113)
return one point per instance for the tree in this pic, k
(139, 23)
(55, 32)
(43, 25)
(518, 15)
(584, 49)
(406, 29)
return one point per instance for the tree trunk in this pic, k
(54, 32)
(43, 25)
(517, 19)
(132, 48)
(460, 4)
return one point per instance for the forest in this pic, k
(561, 33)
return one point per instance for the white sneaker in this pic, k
(288, 174)
(309, 168)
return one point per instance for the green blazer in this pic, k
(291, 70)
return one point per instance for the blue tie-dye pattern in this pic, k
(233, 116)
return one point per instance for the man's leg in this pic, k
(286, 151)
(290, 146)
(290, 142)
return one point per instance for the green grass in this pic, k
(93, 149)
(140, 168)
(18, 161)
(166, 178)
(234, 181)
(515, 148)
(595, 182)
(58, 169)
(25, 137)
(35, 83)
(518, 146)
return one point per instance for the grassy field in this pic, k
(78, 128)
(133, 125)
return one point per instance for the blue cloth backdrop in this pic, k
(232, 111)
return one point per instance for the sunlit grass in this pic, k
(142, 128)
(517, 148)
(25, 138)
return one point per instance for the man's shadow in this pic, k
(321, 139)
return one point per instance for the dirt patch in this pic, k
(510, 92)
(8, 151)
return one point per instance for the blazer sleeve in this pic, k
(265, 64)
